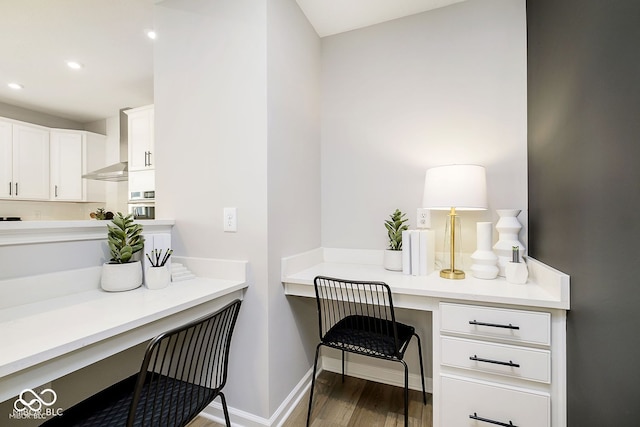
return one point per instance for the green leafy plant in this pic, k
(125, 238)
(395, 226)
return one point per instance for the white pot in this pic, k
(392, 260)
(485, 262)
(516, 272)
(157, 277)
(121, 277)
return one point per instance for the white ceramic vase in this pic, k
(121, 277)
(508, 228)
(485, 262)
(392, 260)
(157, 277)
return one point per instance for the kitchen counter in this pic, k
(25, 232)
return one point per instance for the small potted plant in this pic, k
(101, 214)
(123, 272)
(395, 225)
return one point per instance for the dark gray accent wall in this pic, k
(584, 191)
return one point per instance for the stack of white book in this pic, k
(179, 272)
(418, 252)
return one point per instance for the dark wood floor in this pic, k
(355, 403)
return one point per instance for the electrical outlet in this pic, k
(230, 220)
(424, 218)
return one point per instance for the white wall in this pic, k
(211, 151)
(35, 117)
(441, 87)
(293, 78)
(445, 86)
(237, 124)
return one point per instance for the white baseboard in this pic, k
(394, 377)
(244, 419)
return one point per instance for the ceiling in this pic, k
(330, 17)
(37, 37)
(108, 37)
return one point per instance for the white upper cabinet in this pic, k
(26, 149)
(141, 136)
(67, 161)
(6, 159)
(40, 163)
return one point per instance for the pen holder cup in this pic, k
(516, 272)
(157, 277)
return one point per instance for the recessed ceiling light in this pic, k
(16, 86)
(74, 65)
(152, 34)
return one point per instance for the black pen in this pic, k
(166, 257)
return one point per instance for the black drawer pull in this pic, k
(487, 420)
(493, 325)
(496, 362)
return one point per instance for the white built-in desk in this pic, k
(54, 324)
(532, 335)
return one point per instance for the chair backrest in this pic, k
(339, 299)
(184, 369)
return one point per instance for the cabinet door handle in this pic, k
(495, 362)
(16, 188)
(10, 188)
(493, 325)
(56, 191)
(149, 164)
(475, 416)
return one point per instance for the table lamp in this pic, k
(454, 187)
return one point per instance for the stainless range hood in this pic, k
(118, 171)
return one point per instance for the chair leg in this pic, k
(424, 392)
(313, 382)
(343, 366)
(406, 394)
(225, 409)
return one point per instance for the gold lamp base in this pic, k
(451, 274)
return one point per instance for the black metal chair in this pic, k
(358, 317)
(183, 370)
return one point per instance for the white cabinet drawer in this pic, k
(513, 325)
(518, 362)
(466, 403)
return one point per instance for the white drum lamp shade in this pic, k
(463, 187)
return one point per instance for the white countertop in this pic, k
(546, 287)
(46, 329)
(54, 331)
